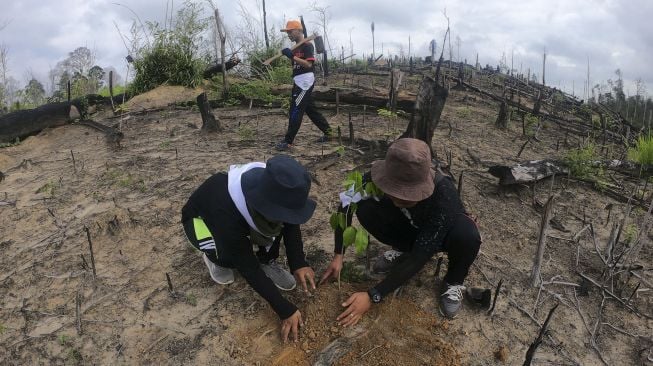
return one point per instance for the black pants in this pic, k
(389, 225)
(301, 101)
(219, 256)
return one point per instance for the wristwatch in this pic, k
(375, 295)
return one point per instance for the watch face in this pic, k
(376, 298)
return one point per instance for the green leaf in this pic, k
(353, 207)
(361, 241)
(349, 236)
(342, 220)
(348, 183)
(333, 220)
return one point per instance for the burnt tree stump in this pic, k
(504, 116)
(209, 122)
(429, 104)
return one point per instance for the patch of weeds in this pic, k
(340, 150)
(642, 153)
(74, 357)
(191, 299)
(352, 273)
(10, 144)
(530, 121)
(245, 132)
(165, 144)
(582, 162)
(386, 113)
(630, 233)
(464, 113)
(50, 188)
(119, 178)
(63, 339)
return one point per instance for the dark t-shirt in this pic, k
(305, 52)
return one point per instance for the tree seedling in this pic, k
(351, 235)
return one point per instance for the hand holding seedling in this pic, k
(291, 323)
(357, 304)
(305, 273)
(333, 270)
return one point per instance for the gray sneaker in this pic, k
(281, 278)
(451, 299)
(386, 261)
(221, 275)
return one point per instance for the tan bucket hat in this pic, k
(406, 171)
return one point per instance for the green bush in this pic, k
(642, 153)
(175, 55)
(582, 162)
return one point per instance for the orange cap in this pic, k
(293, 24)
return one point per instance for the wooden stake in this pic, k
(496, 295)
(170, 288)
(352, 142)
(78, 312)
(541, 243)
(73, 156)
(90, 248)
(533, 347)
(337, 102)
(339, 136)
(460, 185)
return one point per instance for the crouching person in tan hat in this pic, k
(419, 215)
(255, 204)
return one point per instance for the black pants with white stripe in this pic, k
(301, 101)
(221, 257)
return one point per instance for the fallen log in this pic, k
(217, 69)
(527, 172)
(112, 135)
(20, 124)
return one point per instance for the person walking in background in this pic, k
(301, 59)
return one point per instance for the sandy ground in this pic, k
(129, 199)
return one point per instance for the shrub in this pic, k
(175, 55)
(642, 153)
(582, 162)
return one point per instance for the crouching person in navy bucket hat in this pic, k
(256, 205)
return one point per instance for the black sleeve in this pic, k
(292, 239)
(403, 271)
(245, 261)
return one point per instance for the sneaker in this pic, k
(281, 278)
(283, 146)
(386, 261)
(221, 275)
(451, 300)
(324, 138)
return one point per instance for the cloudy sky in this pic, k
(611, 33)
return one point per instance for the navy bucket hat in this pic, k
(280, 190)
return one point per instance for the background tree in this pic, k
(34, 93)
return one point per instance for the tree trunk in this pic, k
(215, 69)
(209, 122)
(29, 122)
(265, 28)
(541, 243)
(504, 116)
(429, 104)
(223, 39)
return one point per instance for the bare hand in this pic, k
(357, 304)
(291, 324)
(302, 274)
(333, 270)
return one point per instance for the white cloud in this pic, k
(612, 33)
